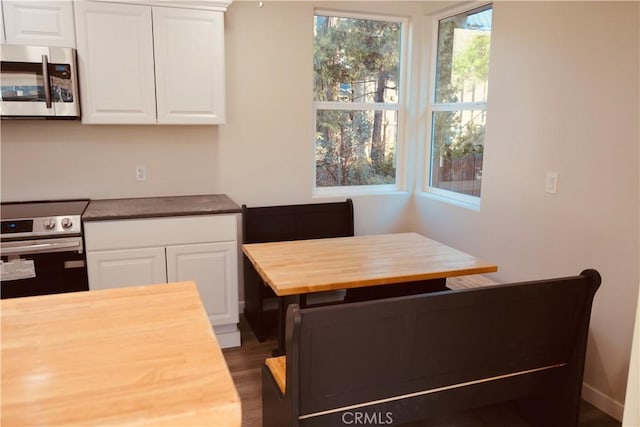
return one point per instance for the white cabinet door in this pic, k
(122, 268)
(115, 61)
(189, 57)
(3, 40)
(213, 266)
(40, 23)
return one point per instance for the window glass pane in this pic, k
(356, 60)
(457, 150)
(462, 69)
(355, 147)
(463, 57)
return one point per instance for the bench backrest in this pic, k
(297, 222)
(281, 223)
(499, 342)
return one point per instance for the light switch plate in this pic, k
(141, 173)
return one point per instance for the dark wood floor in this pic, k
(245, 364)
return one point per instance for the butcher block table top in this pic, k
(305, 266)
(143, 355)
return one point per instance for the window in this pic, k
(357, 68)
(459, 105)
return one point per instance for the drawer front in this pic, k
(138, 233)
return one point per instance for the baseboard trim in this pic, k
(228, 339)
(603, 402)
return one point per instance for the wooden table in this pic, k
(142, 355)
(299, 267)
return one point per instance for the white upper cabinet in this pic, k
(2, 38)
(115, 63)
(40, 23)
(189, 52)
(143, 64)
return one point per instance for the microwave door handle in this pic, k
(47, 82)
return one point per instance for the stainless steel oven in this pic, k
(41, 247)
(38, 82)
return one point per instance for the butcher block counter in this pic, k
(143, 355)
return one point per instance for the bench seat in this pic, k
(421, 357)
(278, 368)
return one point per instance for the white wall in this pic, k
(64, 159)
(631, 416)
(564, 96)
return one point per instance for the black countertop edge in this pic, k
(159, 207)
(155, 215)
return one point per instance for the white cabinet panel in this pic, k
(142, 65)
(189, 56)
(118, 269)
(200, 248)
(2, 37)
(167, 231)
(213, 266)
(40, 23)
(115, 61)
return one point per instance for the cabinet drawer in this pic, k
(148, 232)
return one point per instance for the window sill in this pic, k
(367, 190)
(466, 204)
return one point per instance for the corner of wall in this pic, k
(603, 402)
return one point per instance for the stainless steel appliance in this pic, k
(41, 247)
(38, 82)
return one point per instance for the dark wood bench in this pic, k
(404, 359)
(283, 223)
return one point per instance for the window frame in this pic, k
(400, 107)
(452, 197)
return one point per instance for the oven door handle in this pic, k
(42, 247)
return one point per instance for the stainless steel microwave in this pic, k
(38, 82)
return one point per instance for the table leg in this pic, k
(283, 303)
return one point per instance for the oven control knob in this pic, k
(66, 223)
(49, 223)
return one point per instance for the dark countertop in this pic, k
(153, 207)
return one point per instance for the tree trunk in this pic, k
(377, 140)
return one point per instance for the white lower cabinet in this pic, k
(203, 249)
(129, 267)
(208, 264)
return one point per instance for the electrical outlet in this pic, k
(552, 183)
(141, 173)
